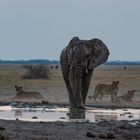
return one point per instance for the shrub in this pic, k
(56, 67)
(51, 66)
(37, 72)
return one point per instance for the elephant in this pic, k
(78, 60)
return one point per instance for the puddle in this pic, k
(63, 114)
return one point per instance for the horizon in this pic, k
(33, 29)
(59, 60)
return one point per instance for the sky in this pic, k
(40, 29)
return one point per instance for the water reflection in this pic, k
(64, 114)
(18, 112)
(103, 116)
(77, 115)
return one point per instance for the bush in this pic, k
(51, 66)
(37, 72)
(56, 67)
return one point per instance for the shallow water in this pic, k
(63, 114)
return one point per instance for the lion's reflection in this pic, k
(83, 115)
(18, 112)
(105, 117)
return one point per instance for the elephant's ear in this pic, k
(87, 50)
(100, 52)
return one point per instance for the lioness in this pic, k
(104, 89)
(27, 95)
(126, 97)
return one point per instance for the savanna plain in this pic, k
(55, 92)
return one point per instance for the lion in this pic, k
(27, 94)
(104, 89)
(126, 97)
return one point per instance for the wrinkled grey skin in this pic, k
(78, 61)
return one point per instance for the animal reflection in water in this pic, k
(105, 117)
(82, 115)
(18, 112)
(77, 114)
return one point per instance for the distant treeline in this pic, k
(38, 61)
(123, 63)
(56, 62)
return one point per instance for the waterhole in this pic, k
(44, 114)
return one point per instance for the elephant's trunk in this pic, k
(78, 85)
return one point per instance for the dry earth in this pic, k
(55, 91)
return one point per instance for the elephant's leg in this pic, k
(65, 72)
(70, 93)
(85, 83)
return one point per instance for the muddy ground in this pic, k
(117, 130)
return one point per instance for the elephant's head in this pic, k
(87, 53)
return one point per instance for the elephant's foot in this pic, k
(80, 106)
(72, 106)
(77, 107)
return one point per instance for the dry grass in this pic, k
(55, 91)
